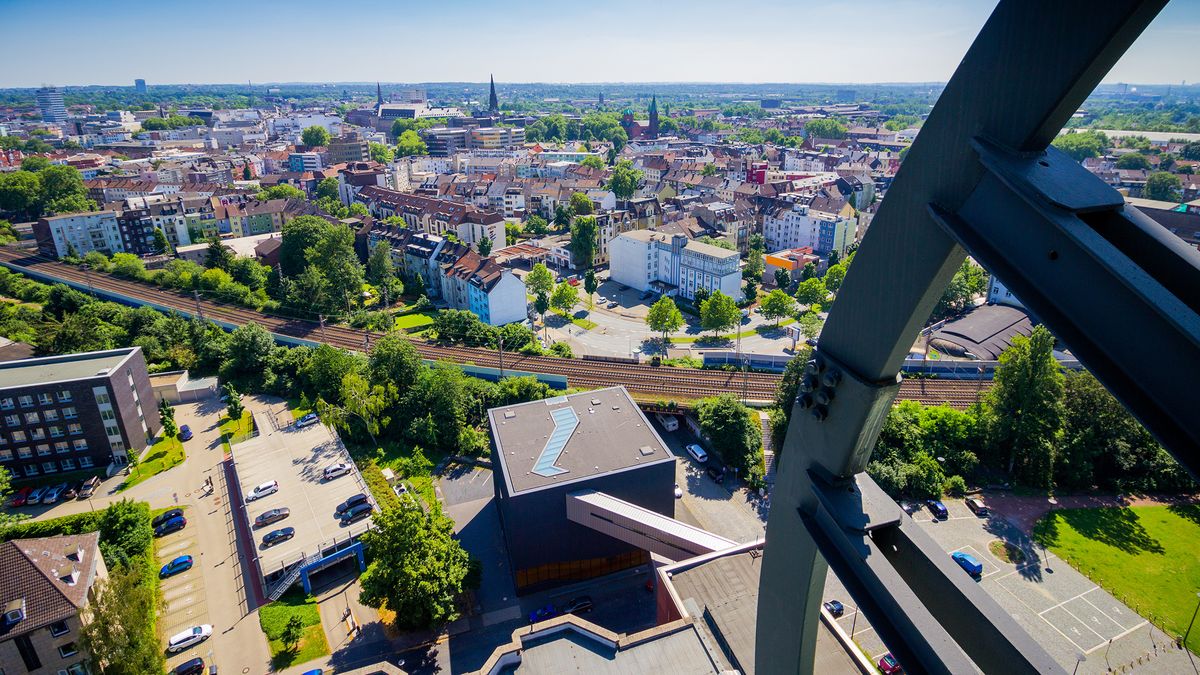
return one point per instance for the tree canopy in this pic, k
(719, 312)
(315, 136)
(664, 317)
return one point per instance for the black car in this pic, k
(276, 536)
(357, 512)
(578, 605)
(272, 516)
(715, 472)
(835, 608)
(350, 503)
(192, 667)
(165, 516)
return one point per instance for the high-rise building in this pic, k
(139, 85)
(52, 105)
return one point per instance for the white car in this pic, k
(260, 491)
(192, 636)
(337, 470)
(697, 453)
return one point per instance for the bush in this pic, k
(380, 490)
(955, 486)
(75, 524)
(561, 350)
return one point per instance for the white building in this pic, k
(51, 104)
(998, 294)
(673, 264)
(796, 225)
(84, 232)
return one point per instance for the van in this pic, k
(89, 487)
(668, 422)
(697, 453)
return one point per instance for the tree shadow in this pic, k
(1012, 536)
(1186, 511)
(1119, 528)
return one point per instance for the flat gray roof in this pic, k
(61, 368)
(679, 653)
(540, 444)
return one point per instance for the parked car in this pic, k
(277, 536)
(173, 525)
(968, 562)
(185, 433)
(678, 492)
(51, 494)
(937, 508)
(716, 473)
(835, 607)
(977, 506)
(272, 516)
(698, 453)
(614, 304)
(350, 503)
(181, 564)
(165, 516)
(308, 420)
(20, 497)
(573, 281)
(580, 605)
(72, 491)
(192, 667)
(339, 469)
(192, 636)
(268, 488)
(543, 613)
(89, 487)
(35, 497)
(888, 665)
(357, 512)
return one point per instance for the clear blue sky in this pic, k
(75, 42)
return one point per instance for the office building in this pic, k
(75, 412)
(139, 85)
(672, 264)
(349, 148)
(46, 583)
(52, 105)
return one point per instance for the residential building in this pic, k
(349, 148)
(80, 233)
(305, 161)
(808, 220)
(435, 216)
(46, 583)
(51, 104)
(75, 411)
(999, 294)
(647, 260)
(489, 138)
(481, 286)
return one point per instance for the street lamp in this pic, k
(1080, 657)
(1192, 622)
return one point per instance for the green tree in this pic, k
(1134, 160)
(664, 317)
(234, 408)
(809, 271)
(283, 191)
(418, 567)
(34, 163)
(1026, 407)
(968, 282)
(125, 534)
(161, 245)
(166, 417)
(590, 284)
(734, 431)
(381, 272)
(248, 272)
(128, 265)
(63, 190)
(539, 280)
(360, 400)
(709, 170)
(564, 298)
(810, 324)
(825, 128)
(409, 144)
(783, 279)
(699, 296)
(315, 136)
(581, 205)
(21, 194)
(394, 363)
(1081, 145)
(1163, 186)
(326, 369)
(292, 632)
(118, 626)
(593, 162)
(834, 276)
(778, 305)
(333, 254)
(562, 216)
(381, 153)
(811, 292)
(217, 255)
(484, 246)
(537, 225)
(541, 303)
(327, 189)
(585, 240)
(924, 477)
(719, 312)
(625, 179)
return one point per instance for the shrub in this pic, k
(561, 350)
(955, 486)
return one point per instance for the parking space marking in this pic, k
(1114, 611)
(1080, 595)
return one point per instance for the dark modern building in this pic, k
(79, 411)
(544, 451)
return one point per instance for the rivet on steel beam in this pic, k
(820, 412)
(831, 377)
(808, 383)
(825, 396)
(805, 401)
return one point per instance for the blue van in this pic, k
(968, 563)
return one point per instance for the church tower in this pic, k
(653, 131)
(378, 94)
(493, 100)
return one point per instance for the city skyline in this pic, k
(619, 42)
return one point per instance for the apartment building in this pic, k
(80, 233)
(435, 216)
(673, 265)
(807, 220)
(46, 583)
(349, 148)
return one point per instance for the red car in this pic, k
(888, 665)
(19, 498)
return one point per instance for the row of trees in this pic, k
(41, 188)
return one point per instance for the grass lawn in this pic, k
(399, 458)
(237, 431)
(166, 453)
(759, 330)
(1145, 555)
(297, 409)
(586, 324)
(414, 320)
(274, 617)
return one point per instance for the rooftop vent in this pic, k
(646, 450)
(595, 401)
(14, 611)
(508, 414)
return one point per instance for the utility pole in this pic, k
(500, 344)
(87, 274)
(321, 317)
(366, 342)
(199, 308)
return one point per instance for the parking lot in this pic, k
(184, 595)
(1062, 609)
(297, 459)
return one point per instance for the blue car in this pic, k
(185, 433)
(172, 525)
(541, 614)
(181, 564)
(937, 508)
(968, 563)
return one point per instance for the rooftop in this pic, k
(50, 369)
(50, 575)
(571, 650)
(568, 439)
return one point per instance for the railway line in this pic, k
(646, 380)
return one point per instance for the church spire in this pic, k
(493, 101)
(653, 117)
(378, 94)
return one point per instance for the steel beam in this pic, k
(1029, 69)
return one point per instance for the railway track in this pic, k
(668, 383)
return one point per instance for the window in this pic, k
(31, 470)
(56, 432)
(26, 401)
(12, 420)
(32, 418)
(69, 413)
(74, 429)
(50, 415)
(18, 436)
(74, 669)
(59, 628)
(85, 462)
(64, 396)
(6, 404)
(6, 455)
(108, 414)
(45, 399)
(28, 654)
(38, 434)
(81, 444)
(61, 447)
(24, 453)
(50, 467)
(102, 398)
(67, 464)
(43, 449)
(67, 650)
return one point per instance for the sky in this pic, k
(77, 42)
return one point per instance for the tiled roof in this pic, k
(50, 574)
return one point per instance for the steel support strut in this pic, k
(1029, 69)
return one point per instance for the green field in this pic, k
(166, 453)
(415, 320)
(274, 616)
(236, 432)
(1147, 556)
